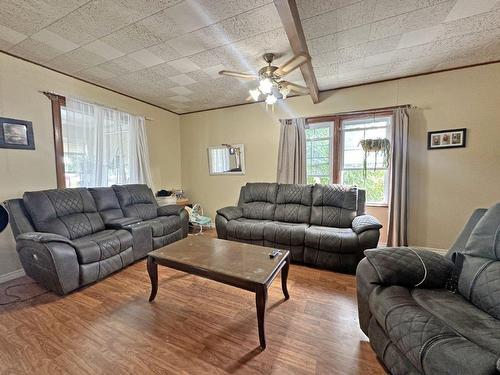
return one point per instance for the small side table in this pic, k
(165, 201)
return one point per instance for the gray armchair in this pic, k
(431, 314)
(321, 225)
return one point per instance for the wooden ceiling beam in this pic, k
(289, 14)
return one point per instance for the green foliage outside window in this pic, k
(373, 184)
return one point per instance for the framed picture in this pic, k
(16, 134)
(450, 138)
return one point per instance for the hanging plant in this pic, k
(376, 145)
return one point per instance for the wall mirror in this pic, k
(226, 159)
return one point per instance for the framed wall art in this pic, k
(450, 138)
(16, 134)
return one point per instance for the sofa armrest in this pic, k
(231, 213)
(43, 237)
(365, 222)
(52, 263)
(410, 267)
(170, 210)
(122, 222)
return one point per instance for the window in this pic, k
(331, 159)
(375, 179)
(319, 147)
(102, 146)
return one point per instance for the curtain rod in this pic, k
(96, 103)
(365, 111)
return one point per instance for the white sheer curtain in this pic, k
(219, 160)
(103, 146)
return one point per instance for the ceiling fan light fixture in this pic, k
(271, 99)
(266, 86)
(255, 94)
(284, 91)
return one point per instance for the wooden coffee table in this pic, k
(238, 264)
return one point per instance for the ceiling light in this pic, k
(266, 86)
(255, 94)
(271, 99)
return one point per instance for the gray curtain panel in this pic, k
(398, 197)
(292, 152)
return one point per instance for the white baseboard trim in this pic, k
(12, 275)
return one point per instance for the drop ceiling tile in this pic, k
(182, 79)
(146, 58)
(382, 45)
(322, 44)
(379, 59)
(390, 8)
(180, 90)
(165, 70)
(147, 8)
(357, 14)
(11, 36)
(321, 25)
(164, 51)
(311, 8)
(468, 8)
(96, 19)
(184, 65)
(28, 17)
(472, 24)
(213, 71)
(186, 45)
(76, 60)
(180, 98)
(34, 50)
(205, 59)
(421, 36)
(103, 49)
(189, 15)
(132, 38)
(354, 36)
(128, 64)
(414, 20)
(55, 41)
(96, 73)
(200, 76)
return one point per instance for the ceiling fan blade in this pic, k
(293, 64)
(238, 74)
(296, 88)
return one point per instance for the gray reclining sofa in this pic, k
(431, 314)
(321, 225)
(67, 238)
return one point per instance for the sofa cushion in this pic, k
(72, 213)
(293, 203)
(137, 201)
(102, 245)
(164, 225)
(333, 240)
(107, 203)
(258, 200)
(427, 341)
(465, 318)
(334, 205)
(285, 233)
(484, 240)
(479, 282)
(246, 229)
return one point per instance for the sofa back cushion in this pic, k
(137, 201)
(334, 205)
(479, 279)
(72, 213)
(258, 200)
(107, 203)
(293, 203)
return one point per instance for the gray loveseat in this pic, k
(321, 225)
(67, 238)
(431, 314)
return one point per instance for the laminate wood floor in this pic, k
(195, 326)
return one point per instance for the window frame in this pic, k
(320, 125)
(337, 148)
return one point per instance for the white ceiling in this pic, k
(168, 52)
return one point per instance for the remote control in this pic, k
(274, 253)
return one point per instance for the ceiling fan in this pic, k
(270, 77)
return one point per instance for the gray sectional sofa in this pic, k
(431, 314)
(67, 238)
(321, 225)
